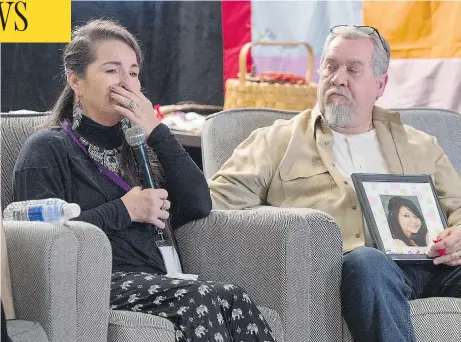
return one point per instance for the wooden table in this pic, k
(192, 144)
(188, 139)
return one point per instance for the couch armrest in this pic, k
(289, 260)
(43, 267)
(94, 270)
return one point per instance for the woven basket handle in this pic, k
(244, 53)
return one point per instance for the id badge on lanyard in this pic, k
(170, 256)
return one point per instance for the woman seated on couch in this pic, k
(101, 99)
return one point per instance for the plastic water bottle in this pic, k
(52, 210)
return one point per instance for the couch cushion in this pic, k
(445, 125)
(434, 319)
(25, 331)
(15, 129)
(127, 326)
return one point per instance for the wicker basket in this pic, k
(243, 92)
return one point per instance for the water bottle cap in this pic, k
(71, 210)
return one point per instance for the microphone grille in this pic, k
(135, 135)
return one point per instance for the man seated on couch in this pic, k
(307, 162)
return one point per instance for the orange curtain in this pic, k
(417, 29)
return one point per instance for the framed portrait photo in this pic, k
(402, 212)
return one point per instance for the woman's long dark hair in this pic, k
(80, 53)
(394, 206)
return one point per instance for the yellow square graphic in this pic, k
(35, 21)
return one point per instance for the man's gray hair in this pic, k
(380, 57)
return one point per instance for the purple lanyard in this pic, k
(115, 178)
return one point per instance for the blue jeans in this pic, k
(375, 292)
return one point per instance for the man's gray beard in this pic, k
(338, 116)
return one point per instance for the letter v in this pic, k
(2, 17)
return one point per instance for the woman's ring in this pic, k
(131, 105)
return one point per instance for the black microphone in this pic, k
(135, 137)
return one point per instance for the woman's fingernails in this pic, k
(113, 87)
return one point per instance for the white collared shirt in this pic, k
(358, 153)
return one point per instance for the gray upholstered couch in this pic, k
(61, 273)
(435, 319)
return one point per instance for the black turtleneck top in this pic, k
(51, 164)
(102, 136)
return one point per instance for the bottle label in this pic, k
(35, 213)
